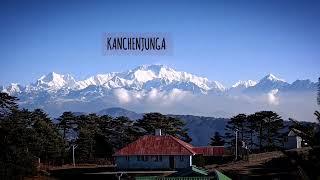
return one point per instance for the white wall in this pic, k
(293, 142)
(133, 163)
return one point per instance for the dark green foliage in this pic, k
(217, 140)
(238, 123)
(7, 104)
(15, 140)
(251, 129)
(65, 123)
(99, 137)
(127, 131)
(25, 137)
(261, 129)
(170, 125)
(90, 138)
(271, 124)
(85, 144)
(47, 138)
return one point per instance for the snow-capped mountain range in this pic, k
(147, 77)
(144, 77)
(147, 81)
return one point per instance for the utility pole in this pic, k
(236, 131)
(73, 159)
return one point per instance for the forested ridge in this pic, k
(30, 136)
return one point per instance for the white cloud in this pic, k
(154, 94)
(122, 95)
(178, 101)
(177, 95)
(272, 98)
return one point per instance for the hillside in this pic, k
(291, 164)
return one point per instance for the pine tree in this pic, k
(170, 125)
(89, 129)
(66, 120)
(268, 126)
(16, 135)
(216, 140)
(251, 129)
(236, 123)
(85, 144)
(128, 131)
(258, 124)
(7, 104)
(48, 143)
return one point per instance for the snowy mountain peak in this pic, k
(145, 73)
(268, 83)
(244, 84)
(145, 78)
(51, 77)
(271, 77)
(164, 77)
(13, 88)
(54, 81)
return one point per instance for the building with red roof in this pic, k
(161, 152)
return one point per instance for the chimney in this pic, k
(158, 132)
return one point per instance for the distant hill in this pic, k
(201, 128)
(117, 111)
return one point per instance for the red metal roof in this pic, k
(209, 150)
(156, 145)
(164, 145)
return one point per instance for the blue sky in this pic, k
(223, 40)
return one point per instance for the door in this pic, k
(171, 162)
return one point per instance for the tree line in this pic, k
(29, 136)
(264, 131)
(261, 131)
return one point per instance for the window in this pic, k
(160, 158)
(127, 158)
(138, 158)
(143, 158)
(157, 158)
(181, 158)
